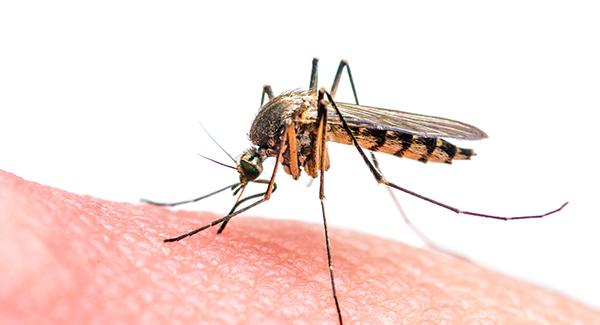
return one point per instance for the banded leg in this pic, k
(424, 239)
(266, 197)
(322, 163)
(380, 179)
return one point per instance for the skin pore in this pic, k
(66, 258)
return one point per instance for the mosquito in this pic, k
(294, 128)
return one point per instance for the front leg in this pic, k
(225, 219)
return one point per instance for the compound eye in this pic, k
(251, 170)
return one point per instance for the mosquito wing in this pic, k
(415, 124)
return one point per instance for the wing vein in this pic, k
(412, 123)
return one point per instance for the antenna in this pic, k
(216, 162)
(215, 141)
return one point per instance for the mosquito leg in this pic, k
(266, 196)
(405, 218)
(380, 179)
(424, 239)
(293, 151)
(237, 202)
(172, 204)
(215, 222)
(282, 147)
(321, 157)
(321, 142)
(420, 234)
(338, 76)
(314, 75)
(266, 91)
(249, 197)
(253, 196)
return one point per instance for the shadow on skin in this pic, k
(73, 259)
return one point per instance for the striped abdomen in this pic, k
(401, 144)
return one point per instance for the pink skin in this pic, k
(66, 258)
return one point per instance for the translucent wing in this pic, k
(416, 124)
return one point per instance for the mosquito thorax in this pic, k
(249, 165)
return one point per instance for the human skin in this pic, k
(66, 258)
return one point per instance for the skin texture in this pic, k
(66, 258)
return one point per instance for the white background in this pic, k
(105, 98)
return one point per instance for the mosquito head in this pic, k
(249, 165)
